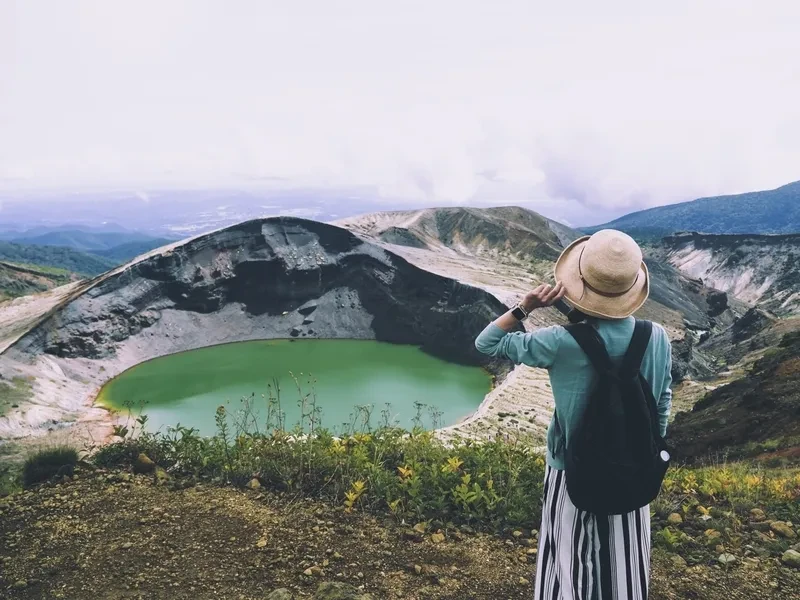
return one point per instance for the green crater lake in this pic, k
(187, 388)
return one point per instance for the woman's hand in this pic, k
(544, 295)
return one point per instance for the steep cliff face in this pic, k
(318, 280)
(272, 278)
(759, 270)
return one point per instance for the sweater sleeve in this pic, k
(535, 349)
(665, 399)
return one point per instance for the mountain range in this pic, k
(768, 212)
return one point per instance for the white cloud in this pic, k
(612, 106)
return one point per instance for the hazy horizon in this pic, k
(582, 112)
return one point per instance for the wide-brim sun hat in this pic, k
(604, 275)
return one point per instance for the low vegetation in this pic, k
(416, 476)
(49, 463)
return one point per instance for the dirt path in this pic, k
(113, 535)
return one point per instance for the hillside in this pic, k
(756, 414)
(57, 257)
(20, 280)
(768, 212)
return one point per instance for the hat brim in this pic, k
(591, 303)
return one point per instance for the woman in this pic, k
(584, 556)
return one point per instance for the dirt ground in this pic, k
(114, 535)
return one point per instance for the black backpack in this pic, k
(616, 458)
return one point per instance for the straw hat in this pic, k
(604, 275)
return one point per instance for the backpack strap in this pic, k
(592, 345)
(632, 363)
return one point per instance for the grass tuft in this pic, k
(48, 463)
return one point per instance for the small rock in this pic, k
(254, 484)
(726, 559)
(791, 558)
(782, 529)
(678, 561)
(674, 519)
(517, 534)
(418, 569)
(437, 538)
(20, 585)
(281, 594)
(161, 475)
(143, 464)
(339, 591)
(758, 515)
(523, 581)
(127, 546)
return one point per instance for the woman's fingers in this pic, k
(554, 294)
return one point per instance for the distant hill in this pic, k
(87, 241)
(510, 232)
(20, 280)
(769, 212)
(125, 252)
(55, 256)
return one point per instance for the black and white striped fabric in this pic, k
(586, 557)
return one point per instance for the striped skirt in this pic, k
(586, 557)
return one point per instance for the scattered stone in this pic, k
(143, 464)
(253, 484)
(261, 543)
(127, 546)
(791, 558)
(418, 569)
(678, 561)
(437, 538)
(20, 585)
(523, 581)
(281, 594)
(782, 529)
(420, 527)
(161, 475)
(726, 559)
(674, 519)
(517, 534)
(756, 514)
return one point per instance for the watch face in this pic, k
(518, 313)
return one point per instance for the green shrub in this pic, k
(46, 464)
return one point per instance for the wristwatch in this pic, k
(520, 314)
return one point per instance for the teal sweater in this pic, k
(571, 374)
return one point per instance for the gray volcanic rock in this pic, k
(264, 278)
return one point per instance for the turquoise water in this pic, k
(187, 388)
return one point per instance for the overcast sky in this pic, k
(612, 106)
